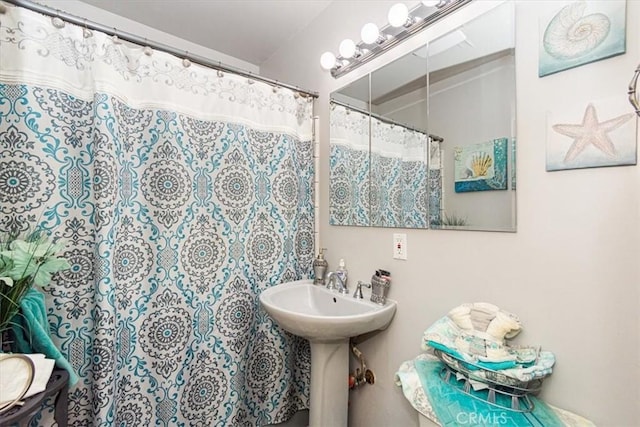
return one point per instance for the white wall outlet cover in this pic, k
(400, 246)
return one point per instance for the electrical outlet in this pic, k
(400, 246)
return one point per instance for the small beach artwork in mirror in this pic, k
(481, 167)
(601, 133)
(580, 32)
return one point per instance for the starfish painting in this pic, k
(591, 132)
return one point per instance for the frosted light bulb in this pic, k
(398, 14)
(347, 48)
(370, 33)
(327, 60)
(430, 3)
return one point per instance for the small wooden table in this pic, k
(58, 384)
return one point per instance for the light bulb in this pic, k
(327, 60)
(430, 3)
(370, 33)
(398, 14)
(347, 48)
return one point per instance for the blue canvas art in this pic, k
(481, 167)
(581, 32)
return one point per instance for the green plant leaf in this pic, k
(24, 265)
(47, 268)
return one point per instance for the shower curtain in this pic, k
(182, 193)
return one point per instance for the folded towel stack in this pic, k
(476, 333)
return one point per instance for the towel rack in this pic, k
(501, 391)
(634, 96)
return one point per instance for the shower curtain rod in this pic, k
(133, 38)
(385, 119)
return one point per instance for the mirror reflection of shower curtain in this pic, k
(398, 175)
(349, 167)
(182, 195)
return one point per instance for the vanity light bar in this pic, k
(419, 18)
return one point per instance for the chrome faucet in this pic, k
(332, 278)
(358, 292)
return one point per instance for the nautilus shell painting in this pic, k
(481, 167)
(581, 32)
(601, 133)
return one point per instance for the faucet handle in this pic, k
(358, 292)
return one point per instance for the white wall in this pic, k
(572, 270)
(484, 104)
(119, 23)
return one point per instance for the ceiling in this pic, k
(250, 30)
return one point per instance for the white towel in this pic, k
(15, 374)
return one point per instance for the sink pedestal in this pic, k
(328, 320)
(329, 383)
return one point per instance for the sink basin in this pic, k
(328, 320)
(318, 314)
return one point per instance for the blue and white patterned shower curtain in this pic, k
(182, 194)
(349, 174)
(398, 175)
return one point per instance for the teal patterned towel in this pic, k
(454, 408)
(31, 332)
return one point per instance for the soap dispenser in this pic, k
(320, 266)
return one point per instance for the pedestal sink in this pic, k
(327, 319)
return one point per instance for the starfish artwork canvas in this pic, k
(595, 135)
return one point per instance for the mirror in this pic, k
(472, 105)
(349, 155)
(399, 141)
(442, 133)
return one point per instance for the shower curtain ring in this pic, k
(115, 38)
(86, 32)
(147, 49)
(186, 62)
(57, 21)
